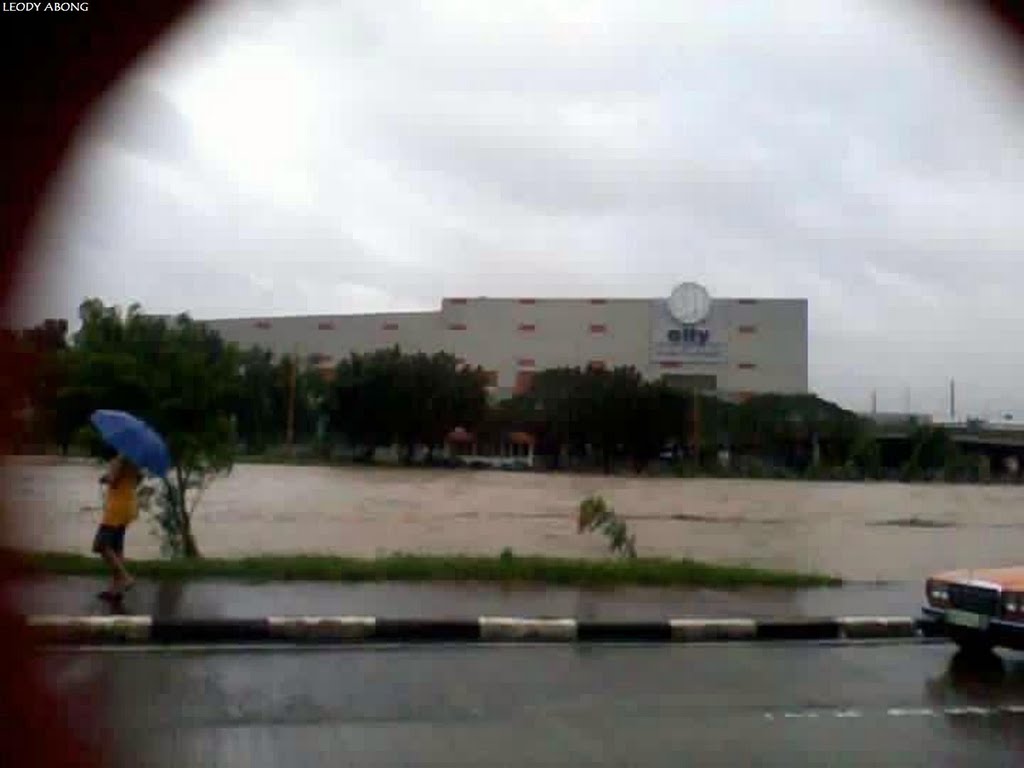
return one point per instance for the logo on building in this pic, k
(685, 330)
(689, 335)
(689, 303)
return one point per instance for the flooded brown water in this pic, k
(875, 531)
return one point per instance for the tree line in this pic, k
(215, 400)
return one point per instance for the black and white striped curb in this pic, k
(355, 629)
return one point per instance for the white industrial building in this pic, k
(733, 346)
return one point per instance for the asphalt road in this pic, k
(226, 599)
(729, 705)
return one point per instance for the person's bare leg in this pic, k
(118, 575)
(107, 555)
(126, 579)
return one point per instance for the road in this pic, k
(735, 705)
(225, 599)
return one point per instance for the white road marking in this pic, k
(849, 714)
(911, 712)
(981, 711)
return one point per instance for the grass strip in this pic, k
(444, 568)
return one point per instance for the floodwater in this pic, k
(860, 531)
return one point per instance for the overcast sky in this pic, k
(336, 157)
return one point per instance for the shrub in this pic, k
(596, 514)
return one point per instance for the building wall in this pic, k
(771, 335)
(511, 335)
(334, 336)
(760, 345)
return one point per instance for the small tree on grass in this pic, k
(180, 377)
(597, 514)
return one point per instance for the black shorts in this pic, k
(109, 537)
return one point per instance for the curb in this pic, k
(77, 630)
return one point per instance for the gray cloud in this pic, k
(325, 157)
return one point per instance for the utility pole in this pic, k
(952, 400)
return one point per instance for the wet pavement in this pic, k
(764, 705)
(225, 599)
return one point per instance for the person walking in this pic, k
(120, 508)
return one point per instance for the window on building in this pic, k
(747, 329)
(527, 327)
(458, 301)
(527, 301)
(598, 328)
(457, 327)
(748, 301)
(389, 327)
(747, 366)
(524, 380)
(263, 325)
(599, 301)
(319, 358)
(325, 326)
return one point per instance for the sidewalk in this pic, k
(220, 599)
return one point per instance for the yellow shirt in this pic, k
(121, 506)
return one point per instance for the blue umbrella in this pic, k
(134, 438)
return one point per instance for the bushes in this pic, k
(596, 514)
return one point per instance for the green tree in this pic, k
(451, 397)
(259, 414)
(614, 413)
(610, 401)
(262, 410)
(362, 400)
(866, 454)
(786, 428)
(554, 410)
(384, 398)
(44, 346)
(180, 377)
(311, 390)
(34, 380)
(655, 417)
(932, 451)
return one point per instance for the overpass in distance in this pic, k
(966, 433)
(1000, 442)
